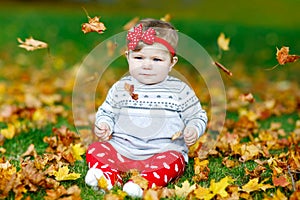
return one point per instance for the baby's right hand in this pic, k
(102, 131)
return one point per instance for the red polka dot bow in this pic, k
(148, 37)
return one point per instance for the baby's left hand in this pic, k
(190, 136)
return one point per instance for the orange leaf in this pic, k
(130, 89)
(283, 57)
(31, 44)
(280, 181)
(94, 25)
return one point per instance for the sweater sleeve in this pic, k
(191, 110)
(108, 110)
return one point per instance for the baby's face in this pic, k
(151, 64)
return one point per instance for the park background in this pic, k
(255, 28)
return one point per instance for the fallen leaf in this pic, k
(185, 189)
(63, 174)
(77, 151)
(31, 44)
(8, 132)
(223, 42)
(247, 97)
(253, 185)
(102, 183)
(280, 181)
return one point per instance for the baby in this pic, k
(142, 112)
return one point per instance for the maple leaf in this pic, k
(131, 23)
(214, 189)
(93, 25)
(283, 57)
(185, 189)
(223, 42)
(280, 181)
(253, 185)
(63, 174)
(102, 183)
(77, 151)
(277, 196)
(31, 44)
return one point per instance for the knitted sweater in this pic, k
(145, 126)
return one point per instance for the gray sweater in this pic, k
(145, 125)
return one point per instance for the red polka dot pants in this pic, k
(159, 169)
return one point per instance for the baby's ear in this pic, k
(174, 61)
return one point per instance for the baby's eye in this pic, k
(138, 57)
(157, 59)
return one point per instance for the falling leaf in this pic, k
(130, 89)
(111, 47)
(31, 44)
(93, 25)
(166, 18)
(63, 174)
(253, 185)
(223, 68)
(185, 189)
(223, 42)
(247, 97)
(131, 23)
(283, 57)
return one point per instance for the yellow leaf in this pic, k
(77, 151)
(219, 187)
(102, 183)
(8, 132)
(203, 193)
(185, 189)
(63, 174)
(223, 42)
(253, 185)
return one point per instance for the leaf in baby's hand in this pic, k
(176, 135)
(130, 89)
(223, 42)
(63, 174)
(131, 23)
(93, 25)
(166, 18)
(283, 57)
(31, 44)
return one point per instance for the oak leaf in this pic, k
(31, 44)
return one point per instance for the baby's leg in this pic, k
(164, 167)
(102, 155)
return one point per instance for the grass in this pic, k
(253, 42)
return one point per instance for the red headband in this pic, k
(148, 37)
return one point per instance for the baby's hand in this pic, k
(102, 131)
(190, 136)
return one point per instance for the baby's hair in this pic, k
(164, 30)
